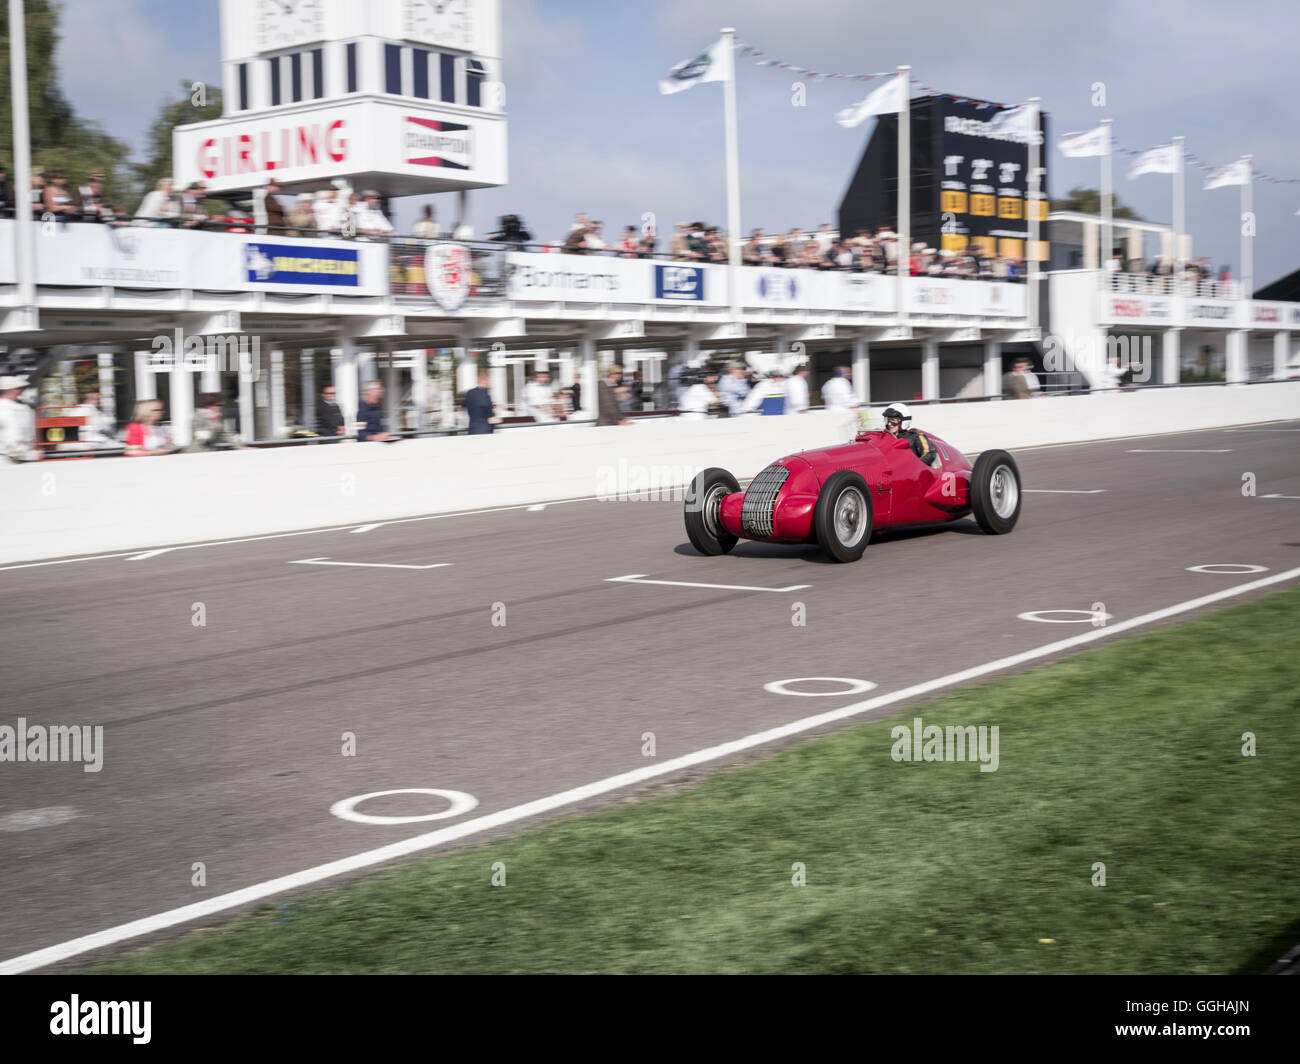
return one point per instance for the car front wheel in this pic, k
(995, 492)
(844, 516)
(703, 517)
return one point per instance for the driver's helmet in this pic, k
(896, 411)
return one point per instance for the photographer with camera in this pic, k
(511, 232)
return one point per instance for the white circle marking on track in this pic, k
(1087, 616)
(856, 687)
(1226, 568)
(460, 803)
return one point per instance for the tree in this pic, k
(1088, 201)
(59, 139)
(180, 112)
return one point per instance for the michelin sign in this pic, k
(301, 264)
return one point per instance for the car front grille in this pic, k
(760, 501)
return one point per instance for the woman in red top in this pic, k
(144, 435)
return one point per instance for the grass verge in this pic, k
(1130, 755)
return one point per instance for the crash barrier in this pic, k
(76, 508)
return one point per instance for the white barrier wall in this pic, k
(56, 509)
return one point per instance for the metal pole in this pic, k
(904, 191)
(733, 172)
(1180, 209)
(1031, 260)
(1247, 233)
(23, 246)
(1107, 239)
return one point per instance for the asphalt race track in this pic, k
(223, 741)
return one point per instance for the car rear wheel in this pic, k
(844, 516)
(995, 492)
(703, 505)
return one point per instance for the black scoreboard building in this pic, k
(967, 186)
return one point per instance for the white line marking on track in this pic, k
(367, 528)
(148, 554)
(258, 891)
(30, 819)
(1276, 496)
(1063, 491)
(639, 578)
(537, 506)
(1180, 450)
(368, 565)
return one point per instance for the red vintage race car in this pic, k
(837, 496)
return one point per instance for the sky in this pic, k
(588, 130)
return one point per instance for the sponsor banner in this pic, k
(1138, 308)
(581, 278)
(302, 264)
(1203, 310)
(867, 291)
(677, 283)
(434, 142)
(1268, 313)
(447, 271)
(86, 254)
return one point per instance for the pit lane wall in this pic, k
(63, 509)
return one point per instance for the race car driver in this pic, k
(896, 417)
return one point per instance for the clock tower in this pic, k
(404, 96)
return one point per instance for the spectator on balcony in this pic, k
(57, 200)
(1114, 264)
(17, 422)
(427, 227)
(811, 258)
(161, 207)
(370, 218)
(370, 414)
(268, 212)
(753, 253)
(92, 197)
(824, 239)
(794, 244)
(539, 398)
(648, 242)
(511, 232)
(302, 216)
(192, 213)
(6, 195)
(777, 253)
(479, 406)
(145, 434)
(627, 244)
(576, 242)
(1225, 274)
(330, 212)
(329, 415)
(595, 239)
(36, 194)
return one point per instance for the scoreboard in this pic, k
(968, 185)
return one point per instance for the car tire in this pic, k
(844, 516)
(995, 492)
(703, 502)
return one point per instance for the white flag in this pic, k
(707, 66)
(1237, 173)
(1078, 145)
(1161, 160)
(1015, 121)
(886, 99)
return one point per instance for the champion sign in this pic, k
(432, 142)
(301, 264)
(679, 282)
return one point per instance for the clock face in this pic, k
(284, 23)
(445, 22)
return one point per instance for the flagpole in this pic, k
(1247, 232)
(1180, 221)
(23, 243)
(1031, 260)
(1106, 184)
(733, 172)
(904, 192)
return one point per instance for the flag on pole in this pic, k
(1161, 160)
(1079, 145)
(1237, 173)
(1013, 122)
(884, 100)
(707, 66)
